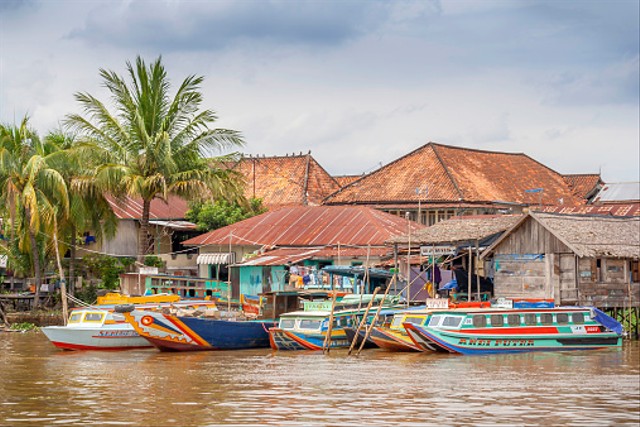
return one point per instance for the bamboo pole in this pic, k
(363, 321)
(326, 345)
(375, 318)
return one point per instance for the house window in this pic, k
(635, 271)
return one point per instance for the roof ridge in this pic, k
(446, 170)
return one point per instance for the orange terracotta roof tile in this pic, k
(584, 185)
(295, 180)
(344, 180)
(454, 174)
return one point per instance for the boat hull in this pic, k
(351, 333)
(392, 341)
(107, 337)
(473, 343)
(281, 339)
(179, 333)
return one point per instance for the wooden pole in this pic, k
(469, 274)
(229, 275)
(409, 259)
(63, 285)
(477, 275)
(363, 321)
(326, 345)
(375, 318)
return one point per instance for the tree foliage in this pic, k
(213, 215)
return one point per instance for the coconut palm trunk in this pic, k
(36, 260)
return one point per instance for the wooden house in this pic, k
(572, 259)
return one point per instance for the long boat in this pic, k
(224, 330)
(503, 330)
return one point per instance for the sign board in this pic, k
(503, 303)
(317, 306)
(438, 303)
(148, 270)
(437, 250)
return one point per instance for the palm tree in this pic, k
(88, 208)
(152, 145)
(31, 190)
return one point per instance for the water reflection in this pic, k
(146, 387)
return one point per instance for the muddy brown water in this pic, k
(40, 385)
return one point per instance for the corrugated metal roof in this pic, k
(455, 174)
(281, 256)
(130, 208)
(618, 192)
(311, 226)
(613, 209)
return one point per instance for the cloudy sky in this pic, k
(359, 83)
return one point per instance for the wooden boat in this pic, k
(100, 328)
(307, 330)
(393, 337)
(503, 330)
(219, 330)
(169, 332)
(94, 329)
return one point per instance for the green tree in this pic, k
(89, 210)
(213, 215)
(31, 191)
(154, 145)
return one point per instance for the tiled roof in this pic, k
(461, 229)
(295, 180)
(455, 174)
(611, 209)
(584, 185)
(344, 180)
(311, 226)
(130, 208)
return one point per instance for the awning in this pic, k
(217, 258)
(176, 225)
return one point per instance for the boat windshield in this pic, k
(414, 319)
(310, 324)
(287, 323)
(397, 322)
(445, 321)
(93, 316)
(75, 318)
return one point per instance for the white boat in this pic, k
(95, 329)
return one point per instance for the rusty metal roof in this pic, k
(295, 180)
(311, 226)
(455, 174)
(281, 256)
(130, 208)
(612, 209)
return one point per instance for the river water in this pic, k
(40, 385)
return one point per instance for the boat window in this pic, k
(497, 320)
(310, 324)
(93, 317)
(417, 320)
(397, 322)
(513, 319)
(562, 318)
(530, 319)
(479, 321)
(287, 323)
(577, 317)
(435, 321)
(75, 317)
(546, 318)
(452, 321)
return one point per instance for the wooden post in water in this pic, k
(63, 285)
(326, 345)
(364, 320)
(375, 318)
